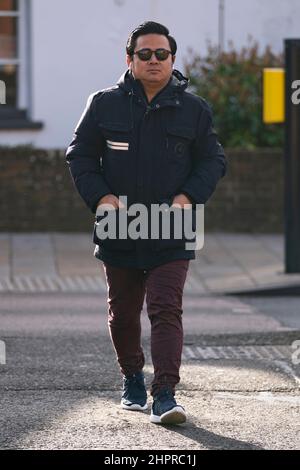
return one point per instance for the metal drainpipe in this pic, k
(221, 25)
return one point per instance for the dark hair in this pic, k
(149, 27)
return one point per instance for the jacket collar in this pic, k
(176, 85)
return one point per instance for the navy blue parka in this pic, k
(149, 152)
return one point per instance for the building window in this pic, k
(15, 65)
(9, 53)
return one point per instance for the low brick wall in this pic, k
(250, 198)
(37, 193)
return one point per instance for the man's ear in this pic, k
(173, 59)
(128, 60)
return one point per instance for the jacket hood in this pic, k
(178, 82)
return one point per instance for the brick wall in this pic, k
(37, 193)
(250, 197)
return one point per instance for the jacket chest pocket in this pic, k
(118, 156)
(178, 142)
(117, 139)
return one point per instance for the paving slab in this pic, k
(229, 263)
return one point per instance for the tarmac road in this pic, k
(60, 385)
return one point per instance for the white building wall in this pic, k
(78, 47)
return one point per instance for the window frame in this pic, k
(19, 116)
(16, 60)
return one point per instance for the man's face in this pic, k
(152, 71)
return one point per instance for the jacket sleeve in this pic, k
(83, 157)
(209, 161)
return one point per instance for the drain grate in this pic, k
(236, 352)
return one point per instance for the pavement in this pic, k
(59, 379)
(229, 263)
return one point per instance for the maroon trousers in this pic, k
(163, 286)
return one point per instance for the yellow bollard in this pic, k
(273, 95)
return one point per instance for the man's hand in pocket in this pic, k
(110, 202)
(180, 201)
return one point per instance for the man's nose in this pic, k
(153, 58)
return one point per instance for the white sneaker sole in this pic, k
(134, 407)
(174, 416)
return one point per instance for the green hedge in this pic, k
(231, 82)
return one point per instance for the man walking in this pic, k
(150, 140)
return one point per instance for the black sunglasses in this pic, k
(146, 54)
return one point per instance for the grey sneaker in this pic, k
(165, 409)
(134, 395)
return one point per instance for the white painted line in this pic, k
(288, 370)
(253, 351)
(19, 284)
(267, 397)
(212, 353)
(203, 352)
(2, 352)
(244, 352)
(216, 352)
(262, 352)
(81, 283)
(92, 283)
(266, 351)
(188, 286)
(277, 352)
(195, 284)
(234, 352)
(222, 351)
(242, 310)
(286, 351)
(189, 352)
(69, 282)
(30, 284)
(40, 284)
(9, 284)
(101, 284)
(61, 284)
(51, 283)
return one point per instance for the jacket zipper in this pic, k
(147, 111)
